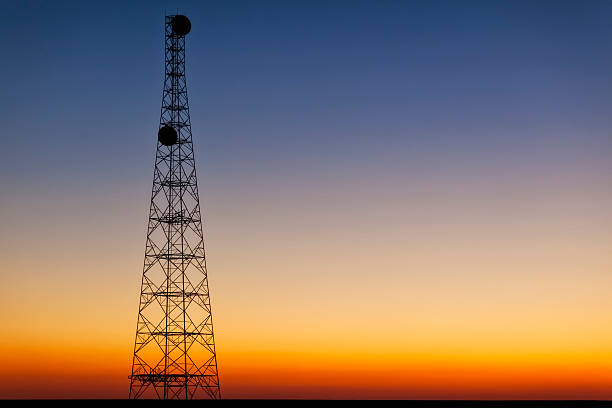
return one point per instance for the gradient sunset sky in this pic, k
(400, 199)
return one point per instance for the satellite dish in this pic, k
(167, 136)
(181, 25)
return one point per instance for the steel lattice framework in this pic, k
(174, 352)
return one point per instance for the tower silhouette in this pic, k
(174, 351)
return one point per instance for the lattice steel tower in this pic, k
(174, 352)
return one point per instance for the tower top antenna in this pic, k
(181, 25)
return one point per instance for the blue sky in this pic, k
(293, 83)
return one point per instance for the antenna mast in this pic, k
(174, 351)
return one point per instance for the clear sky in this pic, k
(401, 199)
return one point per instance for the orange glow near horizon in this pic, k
(463, 326)
(68, 373)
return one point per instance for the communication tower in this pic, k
(174, 351)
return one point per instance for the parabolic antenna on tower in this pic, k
(181, 25)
